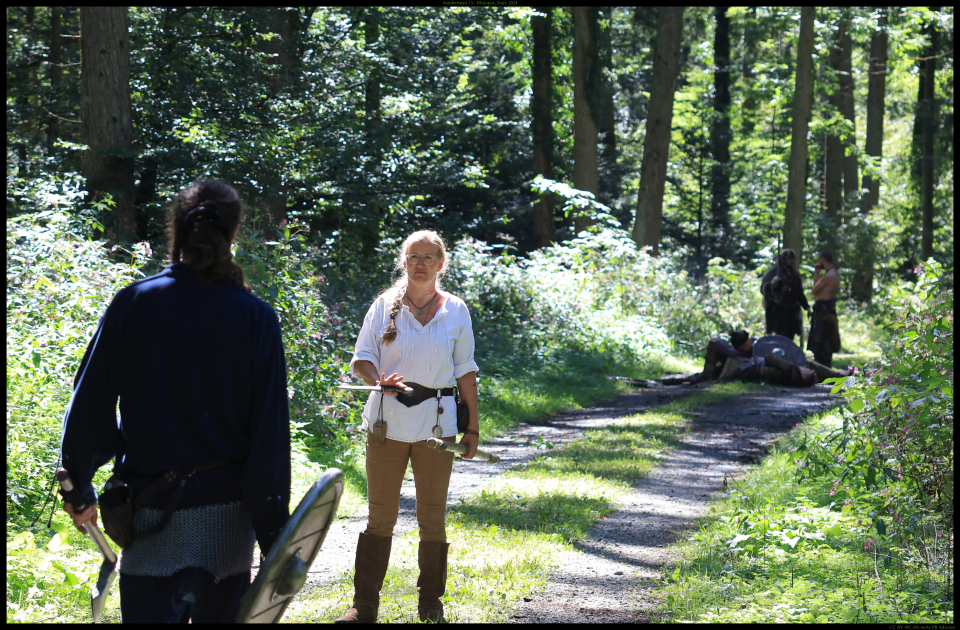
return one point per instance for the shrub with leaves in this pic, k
(893, 456)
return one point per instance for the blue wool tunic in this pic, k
(201, 376)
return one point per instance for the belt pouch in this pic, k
(378, 435)
(116, 511)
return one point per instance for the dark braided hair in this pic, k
(399, 287)
(200, 228)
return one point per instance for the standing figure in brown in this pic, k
(421, 337)
(783, 297)
(824, 328)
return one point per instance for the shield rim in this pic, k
(331, 477)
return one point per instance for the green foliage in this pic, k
(783, 548)
(895, 449)
(852, 519)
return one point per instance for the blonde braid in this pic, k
(390, 334)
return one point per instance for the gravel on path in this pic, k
(514, 448)
(609, 578)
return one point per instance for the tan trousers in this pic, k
(386, 465)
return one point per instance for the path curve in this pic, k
(609, 577)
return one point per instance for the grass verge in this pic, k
(507, 538)
(777, 550)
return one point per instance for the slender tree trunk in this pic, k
(107, 128)
(845, 103)
(861, 287)
(586, 104)
(750, 37)
(720, 177)
(609, 184)
(56, 76)
(372, 109)
(930, 123)
(283, 24)
(833, 154)
(541, 107)
(802, 101)
(656, 144)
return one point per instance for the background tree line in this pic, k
(707, 131)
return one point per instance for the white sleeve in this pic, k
(368, 341)
(463, 347)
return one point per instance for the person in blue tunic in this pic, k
(197, 363)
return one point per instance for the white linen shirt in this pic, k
(435, 356)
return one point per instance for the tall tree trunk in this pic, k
(833, 174)
(283, 22)
(107, 128)
(56, 76)
(802, 101)
(656, 144)
(586, 104)
(930, 122)
(750, 37)
(845, 103)
(541, 107)
(370, 236)
(720, 177)
(861, 286)
(609, 184)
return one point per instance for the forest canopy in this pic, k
(365, 121)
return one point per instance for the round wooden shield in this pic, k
(284, 570)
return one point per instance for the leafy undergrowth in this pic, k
(779, 550)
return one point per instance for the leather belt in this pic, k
(421, 394)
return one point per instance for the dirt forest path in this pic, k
(609, 580)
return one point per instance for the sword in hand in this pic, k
(108, 570)
(462, 449)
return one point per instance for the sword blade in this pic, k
(461, 449)
(98, 598)
(376, 388)
(108, 571)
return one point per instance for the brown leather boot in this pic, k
(373, 556)
(432, 583)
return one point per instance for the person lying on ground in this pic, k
(771, 358)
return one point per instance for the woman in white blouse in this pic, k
(422, 337)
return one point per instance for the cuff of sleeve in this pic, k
(465, 368)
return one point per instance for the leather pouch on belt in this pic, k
(379, 433)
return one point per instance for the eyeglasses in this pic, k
(415, 260)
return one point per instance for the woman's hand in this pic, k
(89, 515)
(472, 441)
(393, 379)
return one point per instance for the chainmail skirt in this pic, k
(218, 538)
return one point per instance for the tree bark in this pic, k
(845, 103)
(656, 144)
(609, 186)
(370, 229)
(541, 107)
(284, 22)
(861, 286)
(107, 125)
(750, 37)
(833, 174)
(802, 101)
(930, 123)
(56, 76)
(720, 177)
(586, 105)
